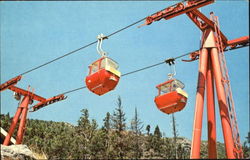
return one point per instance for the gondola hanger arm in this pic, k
(99, 49)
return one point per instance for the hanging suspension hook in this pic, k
(170, 61)
(99, 49)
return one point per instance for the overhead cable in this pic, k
(67, 54)
(85, 46)
(74, 51)
(147, 67)
(73, 90)
(132, 72)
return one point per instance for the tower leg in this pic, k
(21, 128)
(13, 125)
(196, 140)
(225, 121)
(211, 119)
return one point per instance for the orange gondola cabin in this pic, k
(103, 76)
(171, 98)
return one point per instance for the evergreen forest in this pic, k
(116, 138)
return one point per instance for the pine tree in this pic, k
(136, 124)
(157, 142)
(107, 136)
(84, 119)
(136, 142)
(119, 124)
(107, 120)
(157, 132)
(175, 133)
(86, 131)
(118, 117)
(148, 150)
(148, 129)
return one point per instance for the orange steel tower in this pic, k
(212, 69)
(22, 110)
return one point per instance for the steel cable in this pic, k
(71, 52)
(132, 72)
(59, 58)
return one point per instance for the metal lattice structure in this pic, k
(227, 88)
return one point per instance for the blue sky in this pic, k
(33, 33)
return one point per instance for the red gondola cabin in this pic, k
(103, 76)
(171, 98)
